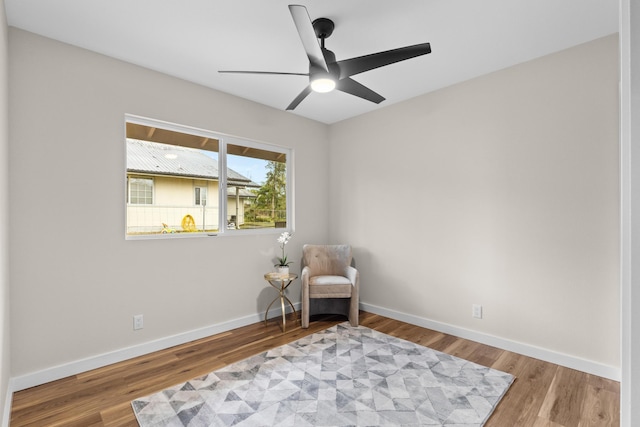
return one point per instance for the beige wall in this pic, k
(74, 292)
(509, 184)
(5, 349)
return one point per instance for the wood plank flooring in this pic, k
(543, 395)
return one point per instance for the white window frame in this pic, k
(223, 140)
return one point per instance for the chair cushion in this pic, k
(329, 287)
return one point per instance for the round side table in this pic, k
(280, 282)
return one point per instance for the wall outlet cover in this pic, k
(476, 311)
(138, 322)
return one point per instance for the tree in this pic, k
(272, 195)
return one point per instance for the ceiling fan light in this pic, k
(323, 84)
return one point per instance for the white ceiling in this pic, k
(193, 39)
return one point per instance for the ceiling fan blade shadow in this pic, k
(302, 95)
(308, 36)
(352, 87)
(264, 72)
(350, 67)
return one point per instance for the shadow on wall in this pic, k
(268, 293)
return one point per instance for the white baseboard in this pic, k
(83, 365)
(6, 416)
(561, 359)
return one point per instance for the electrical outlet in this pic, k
(138, 322)
(476, 311)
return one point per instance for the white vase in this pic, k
(283, 270)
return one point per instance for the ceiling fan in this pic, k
(325, 73)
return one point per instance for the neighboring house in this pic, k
(178, 187)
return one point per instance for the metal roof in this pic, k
(173, 160)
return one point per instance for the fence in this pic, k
(151, 219)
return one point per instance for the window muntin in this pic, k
(190, 196)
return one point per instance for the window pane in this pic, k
(261, 200)
(179, 163)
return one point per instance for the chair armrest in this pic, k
(304, 275)
(354, 276)
(304, 280)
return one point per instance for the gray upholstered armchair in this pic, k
(329, 283)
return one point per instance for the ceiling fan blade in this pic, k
(306, 91)
(264, 72)
(351, 86)
(350, 67)
(308, 36)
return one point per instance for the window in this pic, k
(201, 196)
(140, 191)
(186, 181)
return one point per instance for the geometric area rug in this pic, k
(342, 376)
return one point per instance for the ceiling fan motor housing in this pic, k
(323, 28)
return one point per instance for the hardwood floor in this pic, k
(543, 395)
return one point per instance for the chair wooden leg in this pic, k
(304, 315)
(354, 311)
